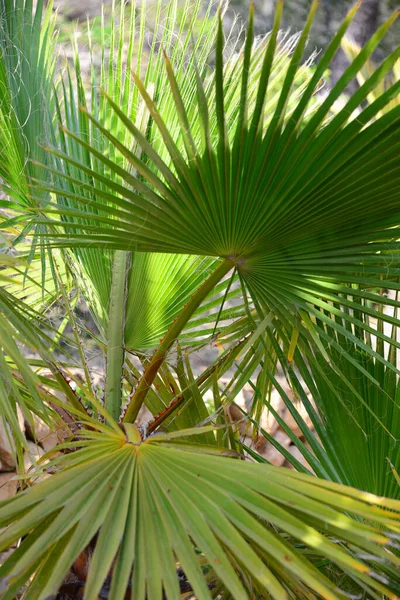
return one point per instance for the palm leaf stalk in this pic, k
(115, 348)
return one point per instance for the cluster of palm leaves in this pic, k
(199, 189)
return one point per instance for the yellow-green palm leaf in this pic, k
(159, 503)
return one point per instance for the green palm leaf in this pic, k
(294, 204)
(154, 504)
(19, 328)
(111, 155)
(357, 423)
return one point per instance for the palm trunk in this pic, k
(116, 327)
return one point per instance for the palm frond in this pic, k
(19, 384)
(300, 217)
(158, 504)
(357, 423)
(111, 154)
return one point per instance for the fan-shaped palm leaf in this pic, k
(294, 207)
(113, 147)
(155, 505)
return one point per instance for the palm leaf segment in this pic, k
(154, 504)
(380, 451)
(356, 423)
(301, 207)
(352, 50)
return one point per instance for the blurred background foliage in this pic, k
(331, 12)
(372, 14)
